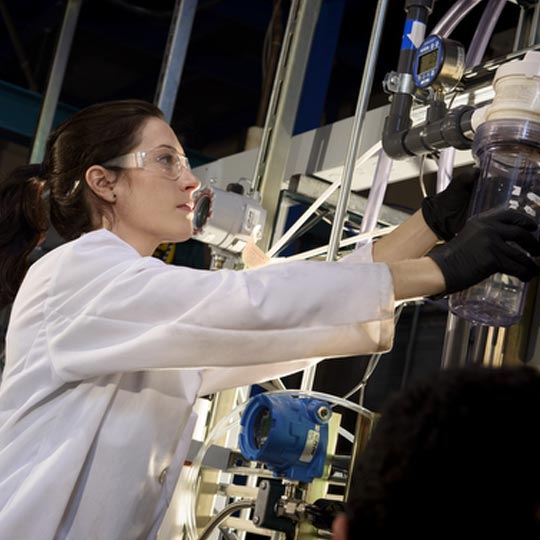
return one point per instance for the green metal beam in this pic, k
(19, 113)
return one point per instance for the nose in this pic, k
(189, 182)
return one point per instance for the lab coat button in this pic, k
(163, 475)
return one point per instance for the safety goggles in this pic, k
(161, 160)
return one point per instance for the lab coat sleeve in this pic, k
(215, 380)
(143, 314)
(362, 254)
(219, 379)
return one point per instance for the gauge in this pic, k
(439, 64)
(288, 434)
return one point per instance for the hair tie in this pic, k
(42, 170)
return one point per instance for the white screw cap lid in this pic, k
(528, 67)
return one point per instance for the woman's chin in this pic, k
(179, 237)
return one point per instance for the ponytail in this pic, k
(23, 224)
(92, 136)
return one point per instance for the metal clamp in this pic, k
(399, 83)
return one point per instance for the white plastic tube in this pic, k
(475, 53)
(320, 200)
(357, 239)
(453, 17)
(377, 192)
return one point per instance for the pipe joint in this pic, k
(452, 130)
(393, 144)
(456, 125)
(422, 4)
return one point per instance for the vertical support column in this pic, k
(56, 78)
(175, 55)
(533, 30)
(282, 109)
(319, 68)
(359, 117)
(527, 28)
(308, 377)
(456, 342)
(224, 402)
(518, 37)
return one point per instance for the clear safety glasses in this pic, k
(162, 160)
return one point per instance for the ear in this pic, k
(101, 181)
(340, 527)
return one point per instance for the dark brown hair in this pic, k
(55, 191)
(456, 452)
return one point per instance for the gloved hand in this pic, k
(483, 248)
(446, 213)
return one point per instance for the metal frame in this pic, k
(308, 377)
(56, 78)
(280, 119)
(175, 55)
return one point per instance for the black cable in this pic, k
(223, 515)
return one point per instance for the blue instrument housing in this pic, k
(288, 434)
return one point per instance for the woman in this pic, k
(108, 348)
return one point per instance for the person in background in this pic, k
(454, 456)
(108, 348)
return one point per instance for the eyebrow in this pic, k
(170, 147)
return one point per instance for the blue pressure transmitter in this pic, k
(439, 64)
(289, 434)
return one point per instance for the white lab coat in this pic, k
(107, 352)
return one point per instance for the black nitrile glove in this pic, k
(446, 213)
(482, 249)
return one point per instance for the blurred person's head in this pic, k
(457, 454)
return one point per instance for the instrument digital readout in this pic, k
(439, 63)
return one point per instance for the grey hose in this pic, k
(224, 514)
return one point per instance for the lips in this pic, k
(186, 206)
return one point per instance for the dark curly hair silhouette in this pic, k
(454, 456)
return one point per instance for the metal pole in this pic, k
(18, 46)
(282, 109)
(56, 77)
(308, 376)
(175, 55)
(456, 342)
(518, 37)
(361, 109)
(533, 31)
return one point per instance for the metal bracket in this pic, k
(399, 83)
(264, 515)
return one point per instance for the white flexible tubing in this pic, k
(476, 52)
(347, 435)
(303, 218)
(320, 200)
(453, 17)
(446, 168)
(357, 239)
(189, 480)
(377, 192)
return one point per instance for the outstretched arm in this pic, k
(442, 216)
(412, 239)
(416, 277)
(495, 241)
